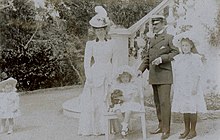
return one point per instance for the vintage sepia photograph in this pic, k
(109, 69)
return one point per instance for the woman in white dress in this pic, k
(98, 77)
(188, 94)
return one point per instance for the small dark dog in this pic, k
(116, 98)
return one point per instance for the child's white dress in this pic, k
(187, 69)
(128, 90)
(9, 105)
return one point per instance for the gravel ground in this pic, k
(42, 119)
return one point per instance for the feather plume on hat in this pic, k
(101, 11)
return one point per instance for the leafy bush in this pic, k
(126, 14)
(77, 17)
(214, 33)
(212, 101)
(35, 52)
(48, 51)
(32, 68)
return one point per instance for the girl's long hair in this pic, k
(193, 49)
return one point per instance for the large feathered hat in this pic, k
(100, 19)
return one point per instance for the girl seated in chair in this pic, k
(124, 97)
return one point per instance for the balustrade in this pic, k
(135, 37)
(132, 38)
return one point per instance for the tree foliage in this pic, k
(43, 51)
(126, 13)
(35, 52)
(214, 33)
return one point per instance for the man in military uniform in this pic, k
(158, 57)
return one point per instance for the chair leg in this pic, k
(144, 128)
(107, 130)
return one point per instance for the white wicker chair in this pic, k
(111, 115)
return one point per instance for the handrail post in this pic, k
(132, 40)
(170, 19)
(150, 33)
(142, 30)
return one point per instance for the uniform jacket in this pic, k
(163, 47)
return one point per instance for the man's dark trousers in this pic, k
(163, 105)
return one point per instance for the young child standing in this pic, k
(188, 96)
(9, 104)
(125, 93)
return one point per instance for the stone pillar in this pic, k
(120, 38)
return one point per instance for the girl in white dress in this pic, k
(128, 102)
(9, 104)
(188, 96)
(98, 77)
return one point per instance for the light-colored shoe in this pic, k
(124, 125)
(124, 131)
(10, 129)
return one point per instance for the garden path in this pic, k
(42, 119)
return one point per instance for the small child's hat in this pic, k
(10, 81)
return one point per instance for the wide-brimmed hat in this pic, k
(123, 70)
(157, 18)
(191, 35)
(100, 19)
(10, 81)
